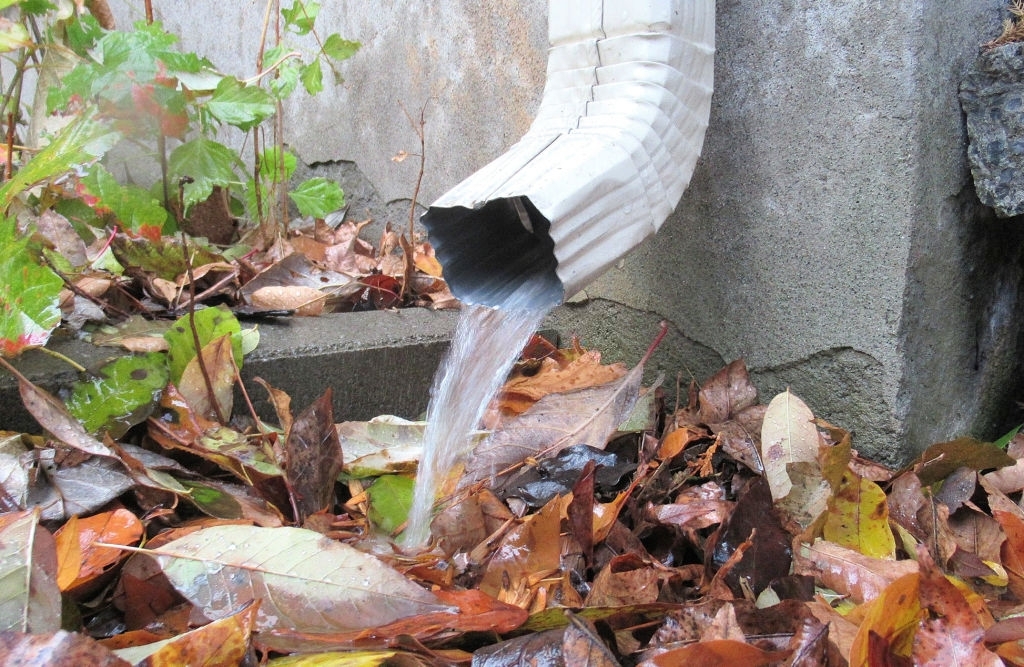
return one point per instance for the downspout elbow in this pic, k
(612, 148)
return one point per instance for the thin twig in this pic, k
(410, 261)
(195, 333)
(82, 293)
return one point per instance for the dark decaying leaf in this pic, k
(726, 393)
(312, 458)
(770, 554)
(582, 646)
(536, 485)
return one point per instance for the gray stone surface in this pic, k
(992, 95)
(831, 235)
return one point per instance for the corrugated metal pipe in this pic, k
(607, 158)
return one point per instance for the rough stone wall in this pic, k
(830, 236)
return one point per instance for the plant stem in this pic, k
(195, 333)
(70, 362)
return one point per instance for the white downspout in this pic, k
(613, 146)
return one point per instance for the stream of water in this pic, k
(486, 343)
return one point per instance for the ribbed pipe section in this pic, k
(612, 148)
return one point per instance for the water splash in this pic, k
(486, 343)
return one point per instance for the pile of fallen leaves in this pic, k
(592, 526)
(318, 268)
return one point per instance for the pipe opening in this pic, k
(499, 254)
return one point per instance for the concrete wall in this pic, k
(830, 235)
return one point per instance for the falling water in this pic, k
(487, 342)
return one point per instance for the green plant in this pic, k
(116, 87)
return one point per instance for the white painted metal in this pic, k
(612, 148)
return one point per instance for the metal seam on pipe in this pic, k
(611, 149)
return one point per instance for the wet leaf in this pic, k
(120, 395)
(29, 294)
(119, 527)
(385, 444)
(585, 416)
(858, 518)
(304, 581)
(787, 436)
(553, 377)
(951, 633)
(29, 596)
(726, 394)
(88, 486)
(210, 324)
(223, 642)
(390, 501)
(222, 500)
(582, 646)
(57, 648)
(312, 458)
(530, 548)
(305, 301)
(770, 553)
(891, 619)
(213, 401)
(164, 258)
(55, 418)
(850, 572)
(717, 652)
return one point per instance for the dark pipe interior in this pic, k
(489, 253)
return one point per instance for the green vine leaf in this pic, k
(133, 206)
(121, 394)
(29, 307)
(340, 49)
(206, 163)
(317, 197)
(239, 105)
(301, 16)
(313, 77)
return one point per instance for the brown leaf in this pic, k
(54, 417)
(530, 549)
(582, 646)
(312, 458)
(305, 301)
(717, 652)
(951, 633)
(626, 580)
(585, 416)
(581, 512)
(519, 393)
(848, 572)
(940, 460)
(1010, 479)
(214, 401)
(726, 393)
(770, 553)
(55, 650)
(222, 643)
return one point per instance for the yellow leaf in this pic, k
(858, 518)
(892, 618)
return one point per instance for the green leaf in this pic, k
(390, 501)
(239, 105)
(1004, 441)
(29, 307)
(287, 79)
(164, 258)
(317, 197)
(13, 35)
(82, 141)
(338, 48)
(132, 205)
(210, 323)
(207, 163)
(271, 162)
(312, 77)
(121, 395)
(301, 16)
